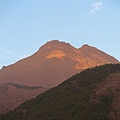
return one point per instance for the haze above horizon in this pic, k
(26, 25)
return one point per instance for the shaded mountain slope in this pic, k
(12, 95)
(91, 95)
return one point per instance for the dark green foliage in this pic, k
(25, 87)
(70, 100)
(106, 99)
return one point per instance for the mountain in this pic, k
(93, 94)
(51, 65)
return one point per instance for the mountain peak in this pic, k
(85, 45)
(53, 42)
(56, 42)
(56, 45)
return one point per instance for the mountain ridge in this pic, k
(48, 57)
(61, 45)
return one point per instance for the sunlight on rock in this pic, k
(56, 54)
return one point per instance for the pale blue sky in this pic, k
(25, 25)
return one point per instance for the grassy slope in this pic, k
(70, 100)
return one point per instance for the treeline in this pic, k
(25, 87)
(5, 86)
